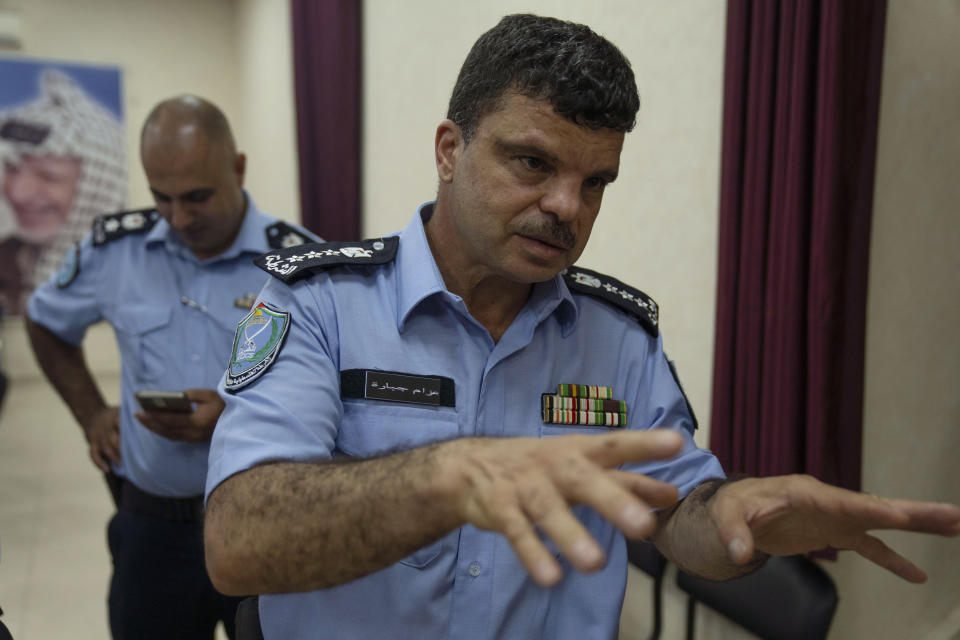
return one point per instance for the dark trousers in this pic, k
(160, 589)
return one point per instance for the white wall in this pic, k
(912, 403)
(267, 119)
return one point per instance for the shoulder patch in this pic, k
(295, 263)
(260, 335)
(620, 295)
(69, 266)
(281, 235)
(117, 225)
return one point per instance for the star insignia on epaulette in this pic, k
(611, 290)
(292, 240)
(281, 235)
(292, 264)
(118, 225)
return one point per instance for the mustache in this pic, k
(558, 233)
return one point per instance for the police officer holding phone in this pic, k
(173, 281)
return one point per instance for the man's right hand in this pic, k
(102, 431)
(520, 486)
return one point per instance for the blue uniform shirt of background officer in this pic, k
(365, 511)
(172, 282)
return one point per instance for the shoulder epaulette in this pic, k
(620, 295)
(281, 235)
(116, 225)
(295, 263)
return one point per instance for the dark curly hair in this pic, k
(583, 75)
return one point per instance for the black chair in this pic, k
(4, 632)
(789, 598)
(247, 626)
(645, 557)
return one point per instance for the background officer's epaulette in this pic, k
(281, 235)
(295, 263)
(116, 225)
(633, 301)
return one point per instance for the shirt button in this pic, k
(474, 569)
(195, 357)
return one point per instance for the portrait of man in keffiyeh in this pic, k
(63, 163)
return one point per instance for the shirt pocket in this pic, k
(422, 558)
(370, 428)
(145, 339)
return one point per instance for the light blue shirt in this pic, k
(399, 317)
(174, 317)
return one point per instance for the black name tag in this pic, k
(402, 388)
(393, 386)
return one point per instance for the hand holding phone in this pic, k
(152, 400)
(189, 415)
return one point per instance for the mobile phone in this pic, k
(164, 401)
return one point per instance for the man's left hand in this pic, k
(196, 426)
(787, 515)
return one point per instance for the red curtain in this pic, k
(801, 97)
(326, 61)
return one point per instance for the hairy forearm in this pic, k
(65, 367)
(289, 527)
(688, 536)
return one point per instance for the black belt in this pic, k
(134, 499)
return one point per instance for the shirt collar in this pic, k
(252, 237)
(418, 278)
(558, 300)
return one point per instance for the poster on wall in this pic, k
(62, 163)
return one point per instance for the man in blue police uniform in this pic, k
(173, 282)
(424, 433)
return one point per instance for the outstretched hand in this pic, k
(796, 514)
(518, 486)
(196, 426)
